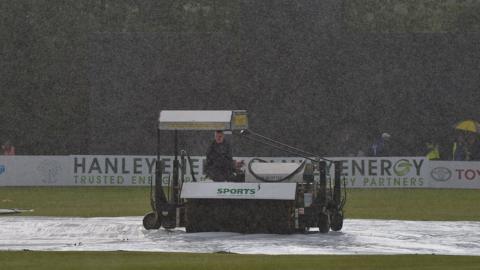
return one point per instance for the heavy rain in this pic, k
(90, 77)
(239, 127)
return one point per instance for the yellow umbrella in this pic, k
(468, 125)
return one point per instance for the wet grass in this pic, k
(147, 260)
(407, 204)
(414, 204)
(77, 201)
(402, 204)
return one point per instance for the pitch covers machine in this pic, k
(266, 198)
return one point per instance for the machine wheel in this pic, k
(150, 221)
(323, 223)
(169, 224)
(336, 221)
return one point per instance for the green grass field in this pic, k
(172, 261)
(406, 204)
(81, 201)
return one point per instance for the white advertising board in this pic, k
(382, 172)
(106, 170)
(454, 174)
(225, 190)
(34, 170)
(103, 170)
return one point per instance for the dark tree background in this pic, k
(90, 76)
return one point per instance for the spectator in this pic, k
(433, 152)
(381, 146)
(459, 148)
(8, 149)
(473, 147)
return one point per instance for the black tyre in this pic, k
(151, 222)
(323, 223)
(169, 224)
(336, 223)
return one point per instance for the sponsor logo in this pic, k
(236, 191)
(402, 167)
(2, 169)
(114, 165)
(49, 170)
(468, 174)
(441, 174)
(382, 167)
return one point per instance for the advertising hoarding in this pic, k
(109, 170)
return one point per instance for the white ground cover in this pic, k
(358, 236)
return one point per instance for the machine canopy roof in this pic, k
(203, 120)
